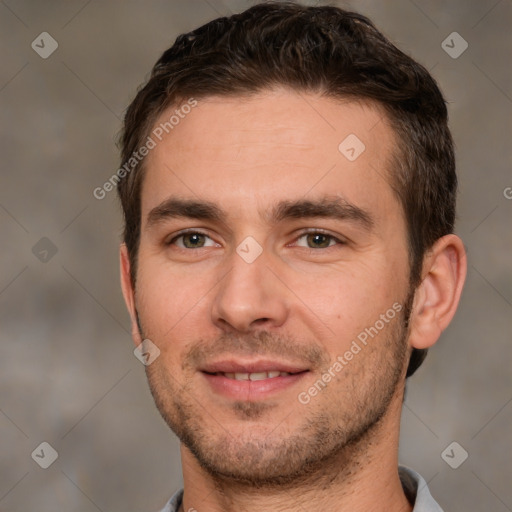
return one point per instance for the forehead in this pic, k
(246, 151)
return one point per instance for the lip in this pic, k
(261, 365)
(248, 390)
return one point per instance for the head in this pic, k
(262, 103)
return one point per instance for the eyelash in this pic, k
(302, 234)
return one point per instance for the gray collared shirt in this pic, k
(414, 485)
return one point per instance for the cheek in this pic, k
(332, 303)
(169, 301)
(345, 305)
(347, 296)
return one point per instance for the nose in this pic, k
(250, 296)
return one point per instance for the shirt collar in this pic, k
(415, 488)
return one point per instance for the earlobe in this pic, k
(128, 291)
(437, 297)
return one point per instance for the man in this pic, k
(288, 191)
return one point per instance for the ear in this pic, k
(437, 297)
(129, 292)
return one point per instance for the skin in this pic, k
(304, 299)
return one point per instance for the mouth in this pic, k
(254, 375)
(254, 380)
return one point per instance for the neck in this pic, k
(361, 477)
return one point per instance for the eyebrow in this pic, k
(333, 207)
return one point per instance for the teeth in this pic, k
(255, 376)
(258, 376)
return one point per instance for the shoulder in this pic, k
(417, 492)
(174, 503)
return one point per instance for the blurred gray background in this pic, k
(68, 375)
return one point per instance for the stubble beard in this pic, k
(329, 438)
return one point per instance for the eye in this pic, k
(191, 240)
(318, 240)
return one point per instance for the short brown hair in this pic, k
(324, 49)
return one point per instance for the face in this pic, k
(273, 278)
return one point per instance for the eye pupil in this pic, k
(319, 240)
(194, 240)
